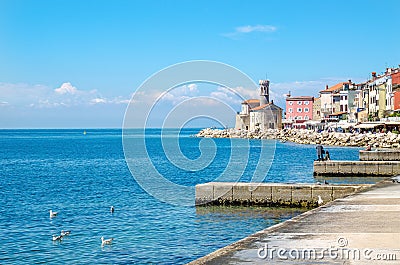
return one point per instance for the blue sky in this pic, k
(96, 53)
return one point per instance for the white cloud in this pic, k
(119, 100)
(192, 87)
(242, 30)
(247, 93)
(181, 93)
(40, 96)
(226, 95)
(217, 94)
(205, 101)
(47, 104)
(66, 88)
(98, 101)
(259, 28)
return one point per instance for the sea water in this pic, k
(82, 175)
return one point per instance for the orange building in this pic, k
(396, 79)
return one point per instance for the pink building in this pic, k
(298, 110)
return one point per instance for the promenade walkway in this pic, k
(363, 228)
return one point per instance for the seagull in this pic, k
(112, 209)
(65, 233)
(320, 201)
(57, 238)
(106, 241)
(53, 214)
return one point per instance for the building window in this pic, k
(306, 102)
(290, 103)
(290, 110)
(299, 102)
(299, 109)
(341, 107)
(299, 117)
(345, 108)
(306, 117)
(306, 109)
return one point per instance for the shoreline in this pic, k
(324, 226)
(304, 136)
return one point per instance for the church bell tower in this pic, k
(264, 92)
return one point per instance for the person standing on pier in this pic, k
(320, 152)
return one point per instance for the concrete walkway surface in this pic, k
(363, 228)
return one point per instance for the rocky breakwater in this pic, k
(302, 136)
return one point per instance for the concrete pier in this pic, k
(363, 228)
(372, 163)
(356, 168)
(380, 155)
(270, 194)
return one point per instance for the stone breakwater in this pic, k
(302, 136)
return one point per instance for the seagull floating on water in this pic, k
(57, 238)
(106, 241)
(53, 214)
(65, 233)
(320, 201)
(112, 209)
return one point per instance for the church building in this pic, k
(259, 113)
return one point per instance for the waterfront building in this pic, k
(396, 90)
(372, 97)
(359, 109)
(380, 94)
(396, 101)
(259, 114)
(334, 102)
(389, 92)
(317, 109)
(298, 110)
(382, 99)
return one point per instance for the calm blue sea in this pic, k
(81, 176)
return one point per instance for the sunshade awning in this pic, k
(346, 125)
(368, 125)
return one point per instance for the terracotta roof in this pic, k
(249, 101)
(261, 107)
(335, 87)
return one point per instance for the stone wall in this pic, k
(270, 194)
(380, 155)
(356, 168)
(302, 136)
